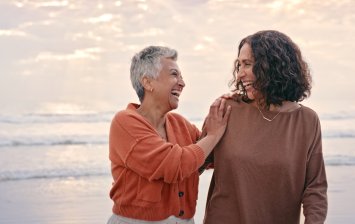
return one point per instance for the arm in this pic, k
(210, 156)
(135, 144)
(314, 201)
(208, 164)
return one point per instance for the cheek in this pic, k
(251, 74)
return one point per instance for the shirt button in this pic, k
(181, 194)
(181, 213)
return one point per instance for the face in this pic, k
(245, 74)
(169, 84)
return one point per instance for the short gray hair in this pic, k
(147, 63)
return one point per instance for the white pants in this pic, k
(117, 219)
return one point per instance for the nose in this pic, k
(181, 82)
(240, 72)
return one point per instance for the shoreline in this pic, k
(86, 199)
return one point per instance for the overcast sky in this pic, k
(74, 55)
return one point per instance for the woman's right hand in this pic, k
(217, 118)
(215, 125)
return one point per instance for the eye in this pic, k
(237, 66)
(177, 74)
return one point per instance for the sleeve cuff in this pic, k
(200, 155)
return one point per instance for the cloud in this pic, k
(100, 19)
(97, 38)
(50, 4)
(16, 33)
(88, 53)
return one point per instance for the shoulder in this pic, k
(123, 114)
(238, 105)
(309, 112)
(309, 118)
(127, 115)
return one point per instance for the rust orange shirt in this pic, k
(153, 178)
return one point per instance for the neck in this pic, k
(154, 116)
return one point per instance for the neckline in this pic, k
(271, 113)
(267, 118)
(134, 109)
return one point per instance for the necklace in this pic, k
(266, 118)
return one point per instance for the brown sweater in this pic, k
(265, 170)
(154, 179)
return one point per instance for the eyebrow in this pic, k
(245, 60)
(174, 69)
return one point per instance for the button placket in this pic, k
(181, 213)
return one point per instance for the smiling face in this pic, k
(245, 73)
(169, 84)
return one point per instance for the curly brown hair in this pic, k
(281, 72)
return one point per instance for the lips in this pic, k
(247, 83)
(176, 93)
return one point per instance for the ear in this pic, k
(147, 83)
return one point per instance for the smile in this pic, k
(176, 93)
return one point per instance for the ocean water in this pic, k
(74, 145)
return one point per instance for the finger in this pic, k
(227, 96)
(222, 106)
(227, 114)
(216, 103)
(214, 107)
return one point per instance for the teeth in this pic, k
(245, 84)
(176, 92)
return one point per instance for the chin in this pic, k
(173, 106)
(250, 97)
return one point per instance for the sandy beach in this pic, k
(85, 199)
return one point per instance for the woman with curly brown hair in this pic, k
(269, 163)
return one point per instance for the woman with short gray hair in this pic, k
(155, 153)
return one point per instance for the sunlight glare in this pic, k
(276, 5)
(208, 39)
(87, 53)
(19, 4)
(199, 47)
(52, 4)
(101, 19)
(12, 33)
(279, 5)
(143, 6)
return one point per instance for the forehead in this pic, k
(245, 53)
(168, 63)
